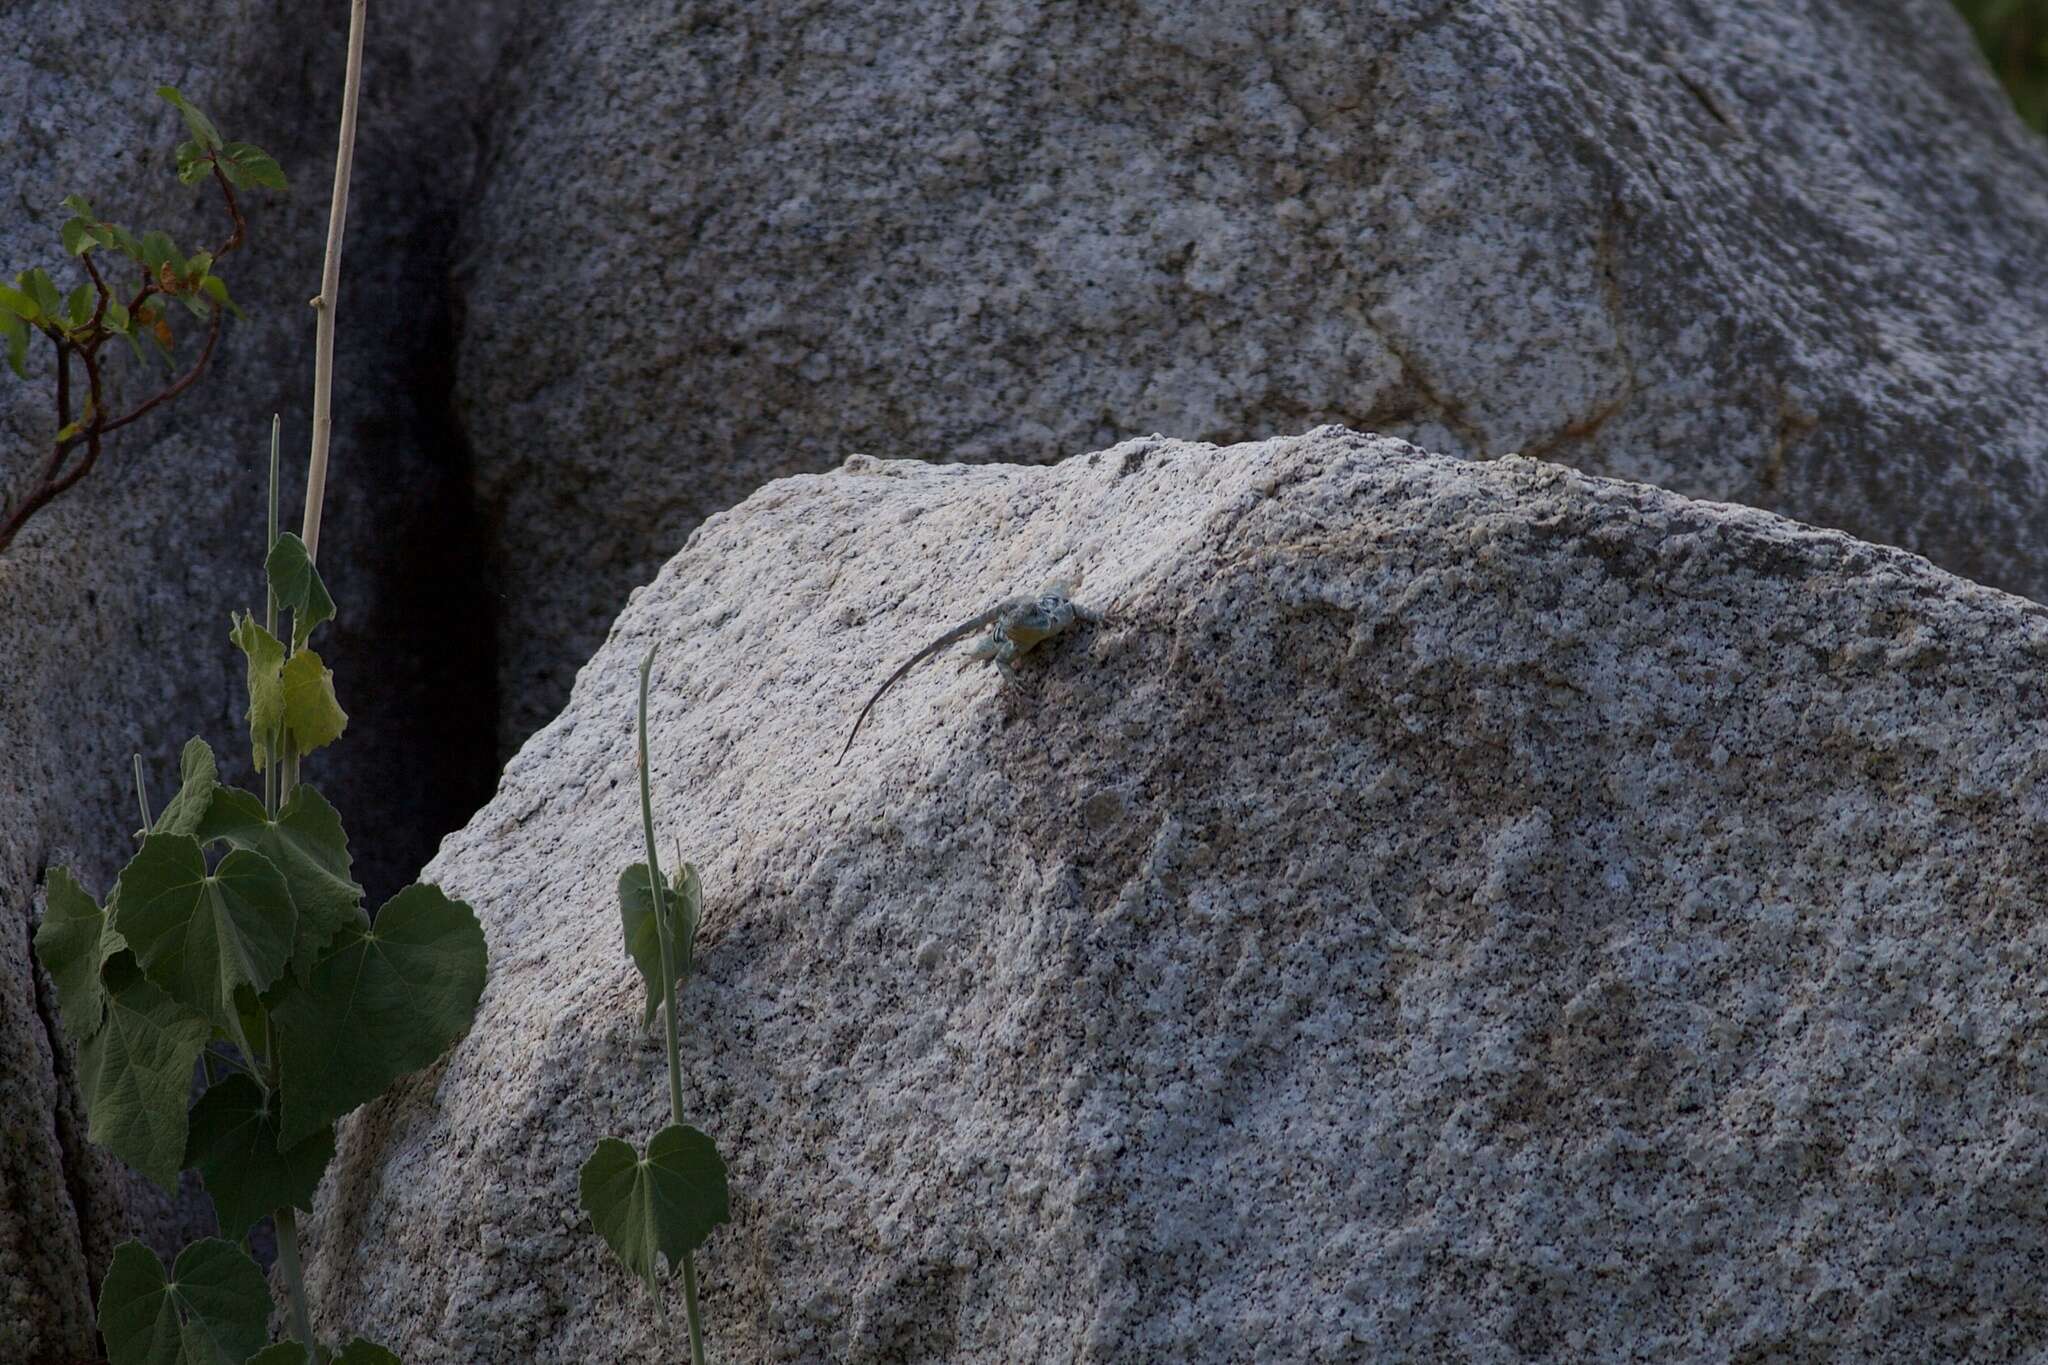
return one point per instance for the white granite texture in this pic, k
(1448, 911)
(1791, 255)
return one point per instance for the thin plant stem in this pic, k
(330, 287)
(665, 936)
(294, 1279)
(142, 795)
(270, 773)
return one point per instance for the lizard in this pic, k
(1015, 625)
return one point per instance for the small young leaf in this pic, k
(76, 204)
(73, 943)
(79, 235)
(18, 304)
(685, 903)
(381, 1002)
(201, 126)
(198, 777)
(249, 165)
(311, 713)
(307, 845)
(667, 1202)
(233, 1145)
(361, 1352)
(15, 332)
(116, 318)
(79, 307)
(123, 241)
(199, 935)
(135, 1073)
(49, 306)
(214, 1310)
(266, 685)
(194, 305)
(197, 265)
(293, 577)
(194, 165)
(215, 288)
(158, 248)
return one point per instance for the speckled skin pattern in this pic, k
(1793, 255)
(1448, 911)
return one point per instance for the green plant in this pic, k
(235, 941)
(80, 324)
(235, 938)
(667, 1202)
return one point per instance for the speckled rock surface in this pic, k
(1790, 255)
(114, 602)
(1447, 911)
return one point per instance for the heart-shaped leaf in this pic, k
(198, 777)
(311, 713)
(665, 1203)
(305, 843)
(233, 1144)
(296, 582)
(137, 1070)
(213, 1310)
(73, 942)
(685, 905)
(265, 653)
(380, 1001)
(198, 935)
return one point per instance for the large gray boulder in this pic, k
(114, 602)
(1448, 911)
(1791, 255)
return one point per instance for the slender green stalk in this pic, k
(142, 795)
(665, 935)
(330, 288)
(270, 774)
(294, 1279)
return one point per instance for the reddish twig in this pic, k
(55, 478)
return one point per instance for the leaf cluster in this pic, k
(237, 934)
(81, 321)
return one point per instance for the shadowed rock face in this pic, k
(114, 602)
(1793, 255)
(1446, 911)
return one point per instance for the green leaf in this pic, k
(116, 318)
(15, 331)
(76, 204)
(49, 306)
(123, 241)
(293, 577)
(667, 1202)
(19, 304)
(79, 308)
(157, 249)
(196, 267)
(73, 942)
(380, 1002)
(249, 165)
(200, 935)
(136, 1071)
(233, 1144)
(80, 236)
(202, 127)
(216, 288)
(194, 165)
(685, 903)
(311, 713)
(214, 1310)
(307, 845)
(266, 685)
(198, 778)
(361, 1352)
